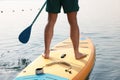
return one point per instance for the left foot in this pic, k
(46, 56)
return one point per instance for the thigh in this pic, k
(70, 5)
(53, 6)
(72, 18)
(52, 17)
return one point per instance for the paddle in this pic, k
(25, 34)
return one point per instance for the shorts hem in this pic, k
(71, 11)
(52, 11)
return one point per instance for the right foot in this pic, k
(80, 56)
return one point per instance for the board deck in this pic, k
(66, 68)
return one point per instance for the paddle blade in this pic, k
(25, 35)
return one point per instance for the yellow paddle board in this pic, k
(62, 64)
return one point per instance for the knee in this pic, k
(51, 21)
(72, 21)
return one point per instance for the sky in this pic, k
(101, 10)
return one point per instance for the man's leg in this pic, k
(49, 33)
(74, 34)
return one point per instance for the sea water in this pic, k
(99, 23)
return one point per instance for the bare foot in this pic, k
(80, 56)
(46, 56)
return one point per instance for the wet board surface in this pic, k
(62, 64)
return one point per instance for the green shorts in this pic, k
(54, 6)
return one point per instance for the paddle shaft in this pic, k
(39, 13)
